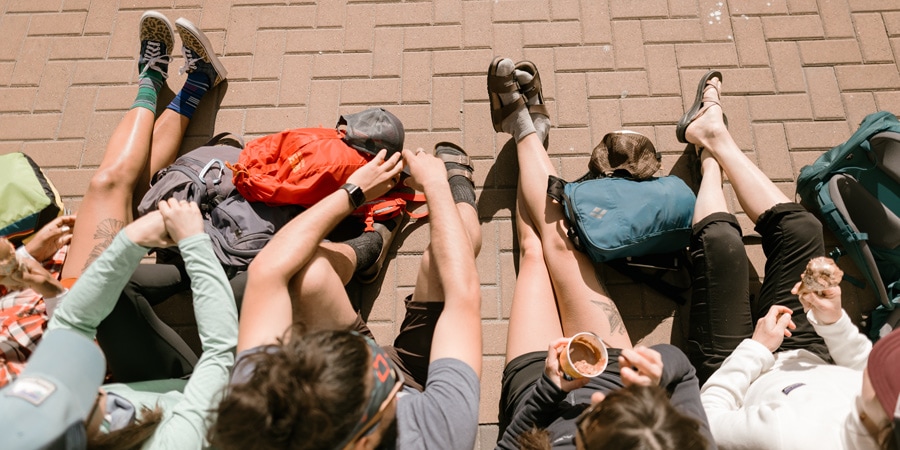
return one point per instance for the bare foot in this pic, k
(709, 122)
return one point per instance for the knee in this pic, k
(109, 180)
(720, 238)
(802, 226)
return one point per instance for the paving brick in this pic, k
(30, 126)
(885, 100)
(456, 62)
(682, 8)
(76, 117)
(565, 10)
(572, 94)
(14, 29)
(584, 58)
(617, 84)
(447, 104)
(416, 79)
(858, 105)
(414, 117)
(541, 34)
(360, 28)
(76, 5)
(70, 182)
(802, 6)
(17, 100)
(742, 81)
(10, 147)
(866, 5)
(324, 101)
(55, 154)
(269, 55)
(34, 6)
(387, 54)
(628, 45)
(637, 111)
(103, 72)
(624, 9)
(792, 27)
(488, 435)
(476, 23)
(478, 136)
(314, 41)
(371, 92)
(571, 141)
(274, 120)
(56, 24)
(891, 22)
(295, 79)
(714, 20)
(419, 13)
(670, 30)
(873, 39)
(509, 40)
(6, 71)
(836, 19)
(750, 42)
(662, 70)
(523, 11)
(830, 52)
(293, 16)
(30, 64)
(117, 98)
(739, 120)
(786, 66)
(242, 27)
(97, 137)
(824, 93)
(491, 374)
(447, 11)
(547, 62)
(815, 135)
(872, 76)
(257, 93)
(780, 107)
(433, 37)
(124, 42)
(775, 158)
(606, 115)
(342, 65)
(595, 22)
(759, 8)
(79, 47)
(706, 55)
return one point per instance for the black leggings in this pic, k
(722, 312)
(138, 345)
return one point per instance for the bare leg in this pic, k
(168, 132)
(107, 205)
(317, 292)
(710, 197)
(428, 285)
(533, 318)
(754, 190)
(583, 302)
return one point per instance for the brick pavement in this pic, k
(799, 75)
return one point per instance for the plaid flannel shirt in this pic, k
(23, 319)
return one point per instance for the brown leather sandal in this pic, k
(497, 85)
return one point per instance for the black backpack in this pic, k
(239, 229)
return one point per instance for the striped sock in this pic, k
(185, 103)
(149, 84)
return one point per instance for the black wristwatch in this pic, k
(357, 196)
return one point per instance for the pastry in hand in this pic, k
(9, 263)
(821, 273)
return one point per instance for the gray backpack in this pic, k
(239, 229)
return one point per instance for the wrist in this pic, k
(23, 253)
(355, 194)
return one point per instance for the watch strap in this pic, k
(357, 196)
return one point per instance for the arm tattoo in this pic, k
(616, 324)
(106, 231)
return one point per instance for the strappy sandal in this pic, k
(455, 160)
(699, 107)
(532, 89)
(497, 85)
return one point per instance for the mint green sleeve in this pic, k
(97, 290)
(185, 424)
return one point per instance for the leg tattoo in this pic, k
(616, 324)
(106, 231)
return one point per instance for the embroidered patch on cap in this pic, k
(32, 390)
(790, 388)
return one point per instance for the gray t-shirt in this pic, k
(445, 416)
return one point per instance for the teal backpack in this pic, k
(855, 187)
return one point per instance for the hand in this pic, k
(424, 168)
(774, 327)
(378, 176)
(149, 231)
(640, 366)
(50, 238)
(33, 275)
(554, 372)
(182, 218)
(826, 305)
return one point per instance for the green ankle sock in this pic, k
(149, 85)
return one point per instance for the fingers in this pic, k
(796, 289)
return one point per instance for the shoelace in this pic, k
(190, 61)
(152, 64)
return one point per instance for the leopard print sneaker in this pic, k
(198, 52)
(157, 40)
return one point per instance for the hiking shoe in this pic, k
(388, 230)
(157, 40)
(198, 53)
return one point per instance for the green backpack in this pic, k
(855, 188)
(28, 198)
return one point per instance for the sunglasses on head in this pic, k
(387, 381)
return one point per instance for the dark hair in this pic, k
(534, 439)
(306, 394)
(640, 417)
(130, 437)
(886, 439)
